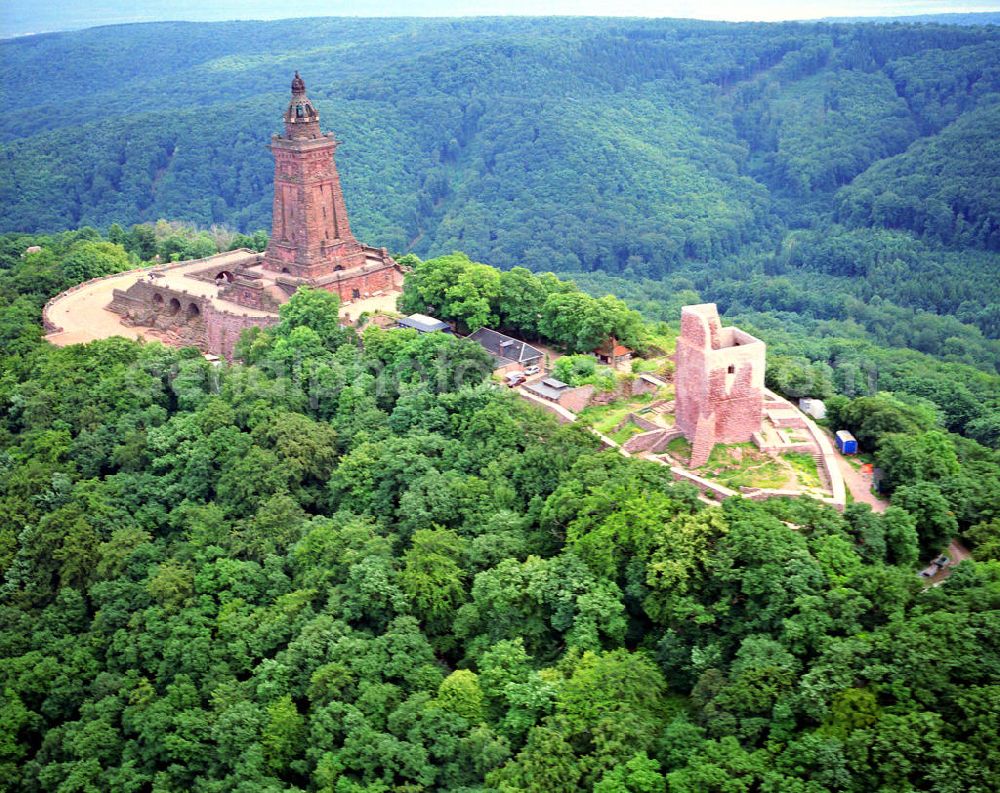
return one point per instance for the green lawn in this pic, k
(625, 433)
(805, 468)
(680, 448)
(742, 465)
(604, 418)
(640, 365)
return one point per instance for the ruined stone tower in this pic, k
(310, 234)
(719, 379)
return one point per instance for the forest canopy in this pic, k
(350, 563)
(290, 574)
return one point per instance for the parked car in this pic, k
(514, 379)
(941, 561)
(531, 370)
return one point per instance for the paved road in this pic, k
(860, 485)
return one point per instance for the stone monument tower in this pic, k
(719, 379)
(310, 235)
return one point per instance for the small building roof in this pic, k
(653, 379)
(554, 383)
(542, 389)
(504, 349)
(422, 323)
(844, 435)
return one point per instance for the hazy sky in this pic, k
(18, 17)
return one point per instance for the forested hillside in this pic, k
(351, 564)
(856, 161)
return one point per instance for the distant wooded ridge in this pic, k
(778, 167)
(25, 18)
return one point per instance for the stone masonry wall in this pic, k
(385, 279)
(224, 329)
(193, 321)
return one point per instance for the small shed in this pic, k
(549, 388)
(846, 443)
(423, 324)
(813, 407)
(611, 353)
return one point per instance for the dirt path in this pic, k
(958, 552)
(860, 485)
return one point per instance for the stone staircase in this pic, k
(652, 442)
(824, 476)
(663, 406)
(704, 441)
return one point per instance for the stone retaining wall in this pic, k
(639, 421)
(652, 442)
(706, 486)
(224, 329)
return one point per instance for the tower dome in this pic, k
(301, 118)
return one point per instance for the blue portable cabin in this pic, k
(846, 442)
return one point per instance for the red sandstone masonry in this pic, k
(224, 329)
(311, 243)
(639, 421)
(651, 442)
(577, 399)
(719, 382)
(311, 235)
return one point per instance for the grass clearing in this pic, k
(743, 465)
(680, 448)
(804, 466)
(640, 365)
(604, 418)
(626, 432)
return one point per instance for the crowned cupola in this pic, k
(301, 118)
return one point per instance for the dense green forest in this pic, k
(351, 564)
(858, 163)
